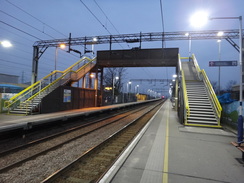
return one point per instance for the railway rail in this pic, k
(91, 166)
(14, 160)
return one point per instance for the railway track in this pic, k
(14, 160)
(91, 166)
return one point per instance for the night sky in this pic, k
(25, 21)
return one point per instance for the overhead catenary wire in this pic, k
(162, 19)
(26, 23)
(106, 17)
(19, 30)
(35, 18)
(98, 20)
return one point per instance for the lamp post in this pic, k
(116, 78)
(240, 117)
(219, 43)
(136, 89)
(62, 46)
(94, 41)
(189, 48)
(128, 90)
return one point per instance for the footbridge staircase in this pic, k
(28, 101)
(198, 103)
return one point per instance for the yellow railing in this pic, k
(183, 83)
(47, 82)
(212, 95)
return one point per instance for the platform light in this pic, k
(220, 33)
(92, 75)
(62, 46)
(199, 19)
(94, 39)
(174, 76)
(6, 44)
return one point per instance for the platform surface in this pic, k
(171, 153)
(9, 122)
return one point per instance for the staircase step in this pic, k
(201, 108)
(202, 112)
(202, 122)
(197, 98)
(199, 104)
(18, 112)
(195, 87)
(201, 118)
(202, 115)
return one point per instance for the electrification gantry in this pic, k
(40, 47)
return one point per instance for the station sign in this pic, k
(222, 63)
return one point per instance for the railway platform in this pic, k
(165, 151)
(12, 122)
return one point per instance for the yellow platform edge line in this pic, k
(166, 151)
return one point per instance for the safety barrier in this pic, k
(50, 82)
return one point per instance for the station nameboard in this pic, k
(222, 63)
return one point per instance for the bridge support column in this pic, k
(96, 87)
(176, 93)
(101, 88)
(35, 64)
(84, 82)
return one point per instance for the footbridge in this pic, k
(195, 99)
(197, 102)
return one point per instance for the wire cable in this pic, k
(96, 17)
(20, 30)
(108, 19)
(162, 18)
(26, 23)
(98, 20)
(35, 18)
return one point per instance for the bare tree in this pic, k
(229, 85)
(110, 75)
(215, 86)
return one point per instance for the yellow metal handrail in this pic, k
(57, 80)
(213, 96)
(185, 94)
(183, 82)
(28, 91)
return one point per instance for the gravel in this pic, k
(38, 169)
